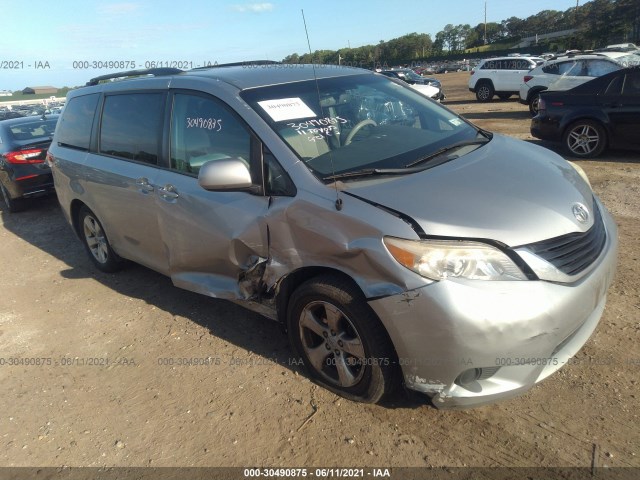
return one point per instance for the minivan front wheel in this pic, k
(585, 139)
(96, 242)
(340, 340)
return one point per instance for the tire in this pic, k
(13, 205)
(504, 96)
(484, 92)
(343, 345)
(534, 102)
(96, 242)
(585, 139)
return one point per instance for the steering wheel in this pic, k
(357, 128)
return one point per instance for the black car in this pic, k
(6, 114)
(23, 149)
(590, 117)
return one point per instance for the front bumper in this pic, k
(517, 333)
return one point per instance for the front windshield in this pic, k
(357, 122)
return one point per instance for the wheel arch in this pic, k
(291, 281)
(595, 116)
(482, 81)
(74, 210)
(534, 91)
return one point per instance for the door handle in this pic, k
(143, 185)
(168, 192)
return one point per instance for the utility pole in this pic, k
(485, 22)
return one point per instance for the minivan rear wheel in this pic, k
(96, 242)
(340, 340)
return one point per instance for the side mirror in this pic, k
(224, 175)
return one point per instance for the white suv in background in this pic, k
(569, 71)
(500, 76)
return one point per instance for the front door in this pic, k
(212, 239)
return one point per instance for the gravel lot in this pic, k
(135, 405)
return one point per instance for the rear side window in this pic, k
(131, 126)
(74, 128)
(559, 68)
(598, 68)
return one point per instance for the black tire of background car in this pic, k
(381, 371)
(534, 102)
(582, 128)
(12, 205)
(484, 91)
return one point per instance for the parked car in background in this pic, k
(500, 76)
(430, 87)
(568, 71)
(604, 112)
(23, 147)
(397, 242)
(7, 114)
(412, 77)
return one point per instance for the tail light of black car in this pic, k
(21, 157)
(542, 106)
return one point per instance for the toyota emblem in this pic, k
(580, 212)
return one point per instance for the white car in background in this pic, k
(569, 71)
(500, 76)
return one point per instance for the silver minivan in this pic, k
(398, 243)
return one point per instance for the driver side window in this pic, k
(203, 130)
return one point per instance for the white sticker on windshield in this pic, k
(286, 109)
(456, 122)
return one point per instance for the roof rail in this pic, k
(239, 64)
(156, 72)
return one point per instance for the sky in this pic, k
(45, 43)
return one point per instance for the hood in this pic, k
(428, 90)
(507, 190)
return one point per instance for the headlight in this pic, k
(442, 259)
(581, 172)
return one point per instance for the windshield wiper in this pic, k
(410, 168)
(437, 153)
(373, 171)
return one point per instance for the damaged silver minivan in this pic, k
(398, 243)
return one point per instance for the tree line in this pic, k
(597, 23)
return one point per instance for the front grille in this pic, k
(573, 252)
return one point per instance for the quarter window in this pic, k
(132, 126)
(204, 130)
(74, 128)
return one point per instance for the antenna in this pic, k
(313, 65)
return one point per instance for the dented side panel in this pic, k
(238, 246)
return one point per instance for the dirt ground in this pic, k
(240, 402)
